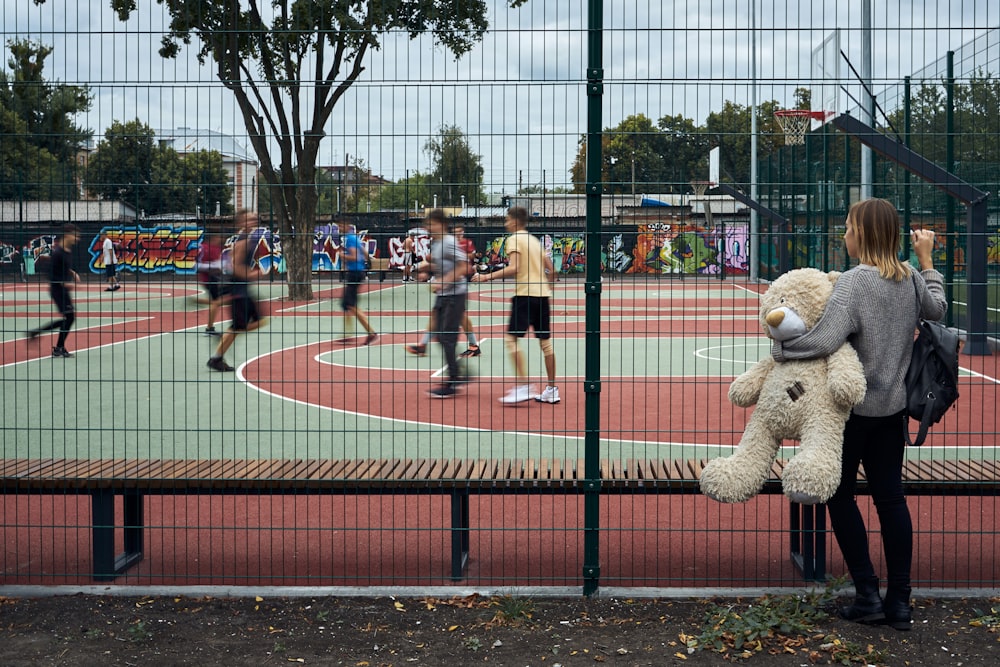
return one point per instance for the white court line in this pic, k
(444, 427)
(444, 369)
(468, 429)
(963, 303)
(87, 349)
(331, 288)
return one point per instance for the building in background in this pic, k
(240, 162)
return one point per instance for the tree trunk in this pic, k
(298, 249)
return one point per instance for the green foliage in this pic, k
(990, 621)
(138, 632)
(401, 195)
(458, 172)
(734, 630)
(122, 166)
(40, 139)
(730, 129)
(472, 643)
(131, 166)
(512, 610)
(302, 63)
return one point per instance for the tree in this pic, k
(401, 195)
(131, 166)
(206, 183)
(287, 75)
(686, 147)
(638, 155)
(730, 129)
(458, 172)
(122, 166)
(40, 138)
(26, 171)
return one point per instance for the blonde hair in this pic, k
(877, 228)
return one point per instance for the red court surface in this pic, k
(516, 540)
(647, 541)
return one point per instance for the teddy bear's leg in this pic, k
(813, 474)
(737, 478)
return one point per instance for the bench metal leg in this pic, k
(459, 534)
(807, 532)
(106, 565)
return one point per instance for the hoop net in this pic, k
(795, 122)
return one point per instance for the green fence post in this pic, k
(592, 301)
(949, 215)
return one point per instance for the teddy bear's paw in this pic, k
(725, 482)
(804, 498)
(811, 479)
(743, 396)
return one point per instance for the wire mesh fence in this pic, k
(233, 195)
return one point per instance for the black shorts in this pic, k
(213, 285)
(61, 296)
(529, 312)
(110, 270)
(245, 311)
(351, 288)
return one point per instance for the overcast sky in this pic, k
(518, 95)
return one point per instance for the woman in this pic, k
(875, 307)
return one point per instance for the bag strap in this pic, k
(925, 420)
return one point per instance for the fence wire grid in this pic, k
(322, 456)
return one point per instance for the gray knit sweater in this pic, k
(877, 316)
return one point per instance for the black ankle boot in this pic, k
(898, 615)
(867, 607)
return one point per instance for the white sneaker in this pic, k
(518, 394)
(549, 395)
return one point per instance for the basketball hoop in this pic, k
(701, 186)
(795, 122)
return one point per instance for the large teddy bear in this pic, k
(808, 400)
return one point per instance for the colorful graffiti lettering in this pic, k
(616, 259)
(421, 246)
(7, 253)
(736, 258)
(689, 249)
(569, 254)
(41, 246)
(494, 255)
(326, 247)
(150, 249)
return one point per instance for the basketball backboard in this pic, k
(826, 78)
(713, 166)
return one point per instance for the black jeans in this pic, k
(878, 444)
(448, 312)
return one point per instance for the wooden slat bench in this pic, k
(134, 479)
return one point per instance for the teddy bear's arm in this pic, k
(745, 390)
(845, 377)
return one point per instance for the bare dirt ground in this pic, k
(785, 631)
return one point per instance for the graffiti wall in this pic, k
(690, 249)
(653, 248)
(149, 249)
(649, 248)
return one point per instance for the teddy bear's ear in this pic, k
(832, 276)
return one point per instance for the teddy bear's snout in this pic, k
(775, 317)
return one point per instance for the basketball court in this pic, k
(138, 388)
